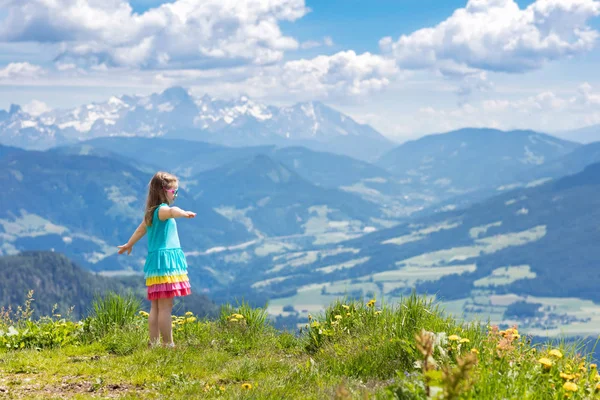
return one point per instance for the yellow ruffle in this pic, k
(155, 280)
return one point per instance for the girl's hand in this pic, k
(125, 248)
(189, 214)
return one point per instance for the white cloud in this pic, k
(545, 111)
(310, 44)
(20, 70)
(496, 35)
(197, 33)
(36, 107)
(342, 74)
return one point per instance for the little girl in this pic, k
(165, 270)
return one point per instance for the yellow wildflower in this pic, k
(474, 350)
(465, 340)
(593, 366)
(546, 362)
(454, 338)
(348, 314)
(345, 307)
(189, 314)
(567, 376)
(570, 386)
(238, 316)
(222, 388)
(598, 386)
(377, 312)
(190, 319)
(233, 320)
(338, 316)
(144, 314)
(597, 377)
(315, 324)
(246, 386)
(556, 353)
(371, 303)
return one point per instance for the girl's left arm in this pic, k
(137, 235)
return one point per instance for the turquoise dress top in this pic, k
(165, 269)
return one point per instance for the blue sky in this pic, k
(406, 67)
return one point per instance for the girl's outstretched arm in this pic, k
(137, 235)
(174, 212)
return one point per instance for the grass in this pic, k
(352, 350)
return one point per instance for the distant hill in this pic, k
(57, 280)
(536, 245)
(276, 199)
(84, 206)
(449, 164)
(587, 134)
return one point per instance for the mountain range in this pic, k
(486, 220)
(175, 113)
(535, 246)
(84, 206)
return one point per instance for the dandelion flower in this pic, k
(377, 312)
(474, 350)
(189, 314)
(233, 320)
(567, 376)
(315, 324)
(593, 366)
(238, 316)
(570, 386)
(371, 303)
(338, 316)
(555, 353)
(190, 319)
(144, 314)
(465, 340)
(597, 377)
(222, 388)
(454, 338)
(246, 386)
(345, 307)
(546, 362)
(348, 314)
(598, 386)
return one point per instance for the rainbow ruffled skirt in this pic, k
(166, 274)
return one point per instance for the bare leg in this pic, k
(165, 307)
(153, 323)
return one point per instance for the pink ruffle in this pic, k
(169, 294)
(167, 287)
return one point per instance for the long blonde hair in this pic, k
(156, 193)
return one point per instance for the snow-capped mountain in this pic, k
(176, 113)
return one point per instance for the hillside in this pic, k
(354, 350)
(537, 245)
(190, 158)
(276, 201)
(464, 161)
(84, 206)
(55, 279)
